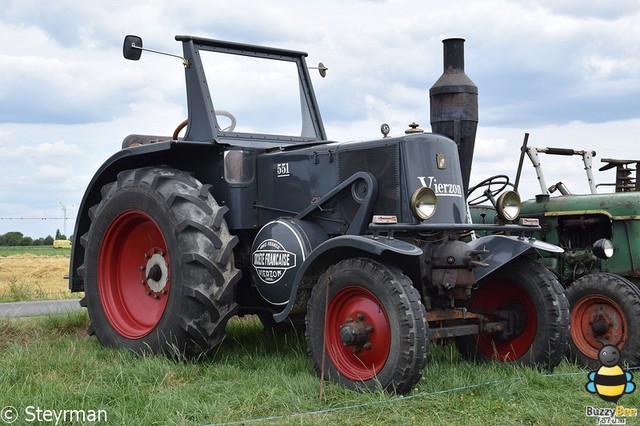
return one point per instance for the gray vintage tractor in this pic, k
(254, 212)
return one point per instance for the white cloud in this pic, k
(46, 151)
(499, 150)
(567, 72)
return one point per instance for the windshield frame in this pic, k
(203, 125)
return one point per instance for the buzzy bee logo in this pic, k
(610, 382)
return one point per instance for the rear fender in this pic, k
(503, 249)
(336, 249)
(183, 155)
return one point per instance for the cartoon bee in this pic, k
(610, 381)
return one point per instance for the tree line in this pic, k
(15, 238)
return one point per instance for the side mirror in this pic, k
(321, 69)
(132, 47)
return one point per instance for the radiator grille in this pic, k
(383, 163)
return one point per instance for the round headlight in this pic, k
(603, 248)
(423, 203)
(508, 206)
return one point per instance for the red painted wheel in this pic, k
(597, 319)
(531, 301)
(357, 309)
(605, 310)
(372, 333)
(159, 274)
(508, 296)
(132, 249)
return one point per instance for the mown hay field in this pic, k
(34, 274)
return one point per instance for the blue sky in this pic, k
(566, 72)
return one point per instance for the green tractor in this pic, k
(600, 266)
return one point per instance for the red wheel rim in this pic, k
(506, 295)
(596, 321)
(132, 304)
(357, 362)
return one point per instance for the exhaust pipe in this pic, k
(454, 105)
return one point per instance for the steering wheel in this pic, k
(494, 185)
(222, 113)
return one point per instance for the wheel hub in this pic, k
(599, 327)
(156, 273)
(356, 333)
(516, 318)
(358, 337)
(133, 274)
(601, 323)
(508, 301)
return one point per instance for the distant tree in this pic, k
(11, 239)
(48, 241)
(26, 241)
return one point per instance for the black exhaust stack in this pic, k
(454, 105)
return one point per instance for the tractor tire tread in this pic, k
(202, 234)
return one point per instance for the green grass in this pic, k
(37, 250)
(268, 380)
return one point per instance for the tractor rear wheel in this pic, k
(533, 301)
(372, 333)
(158, 269)
(605, 310)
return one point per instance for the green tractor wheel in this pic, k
(605, 310)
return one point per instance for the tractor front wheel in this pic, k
(367, 327)
(158, 269)
(533, 303)
(605, 310)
